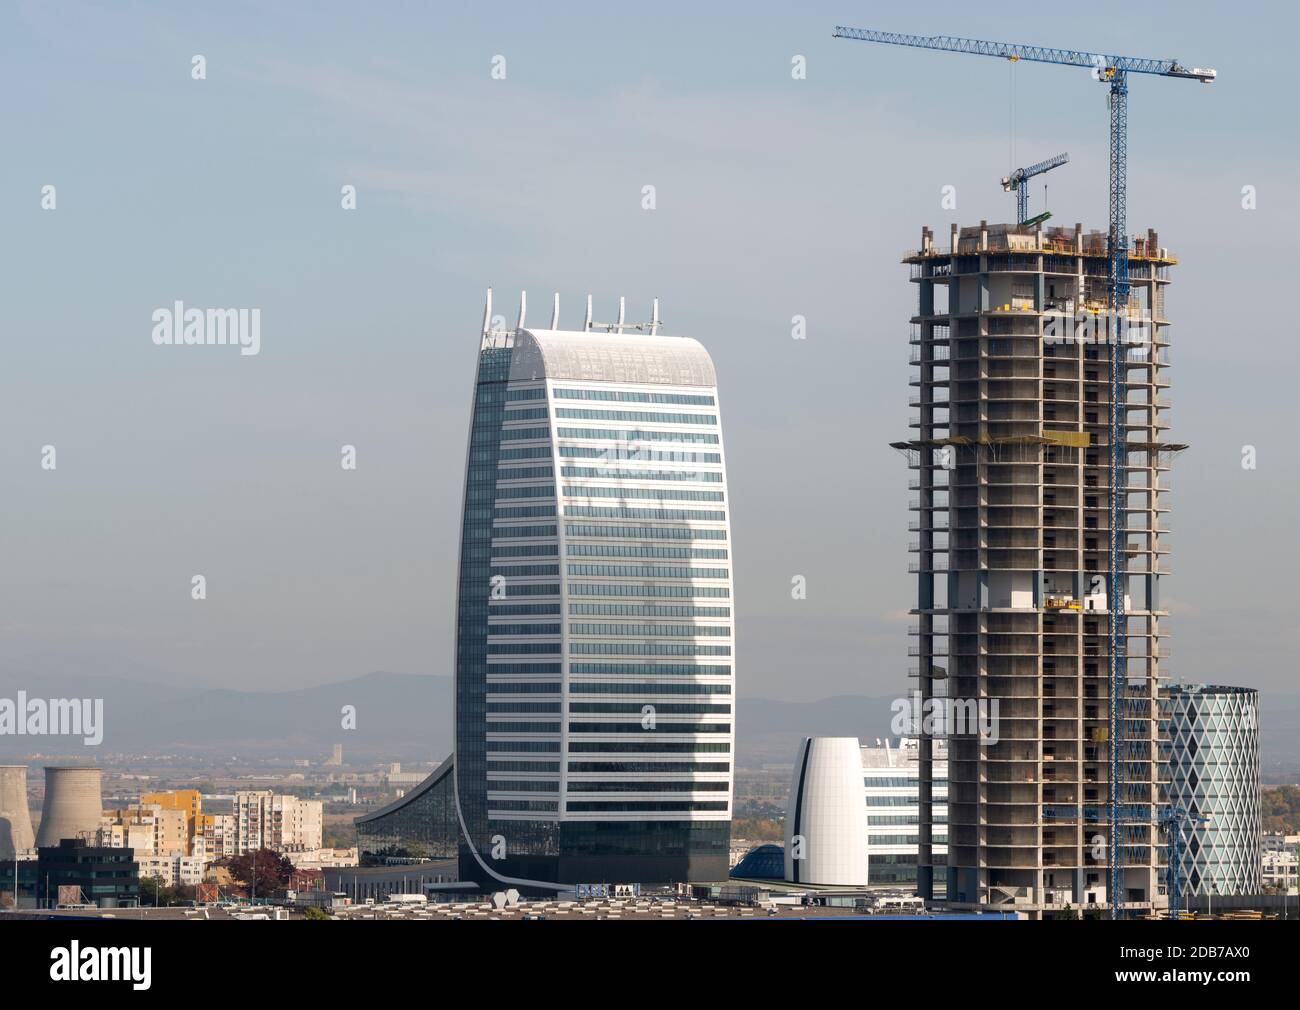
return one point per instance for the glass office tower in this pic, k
(1212, 772)
(594, 636)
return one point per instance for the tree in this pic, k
(262, 871)
(316, 913)
(154, 891)
(1067, 913)
(1281, 808)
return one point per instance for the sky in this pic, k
(774, 197)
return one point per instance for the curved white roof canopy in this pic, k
(610, 357)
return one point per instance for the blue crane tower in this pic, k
(1112, 71)
(1172, 820)
(1019, 182)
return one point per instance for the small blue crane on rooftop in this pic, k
(1019, 182)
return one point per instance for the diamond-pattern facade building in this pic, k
(1212, 770)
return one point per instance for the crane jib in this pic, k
(1104, 66)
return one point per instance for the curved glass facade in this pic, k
(763, 862)
(1213, 774)
(418, 827)
(527, 665)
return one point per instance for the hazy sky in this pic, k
(775, 197)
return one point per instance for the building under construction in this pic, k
(1009, 462)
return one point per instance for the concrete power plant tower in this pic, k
(72, 804)
(15, 818)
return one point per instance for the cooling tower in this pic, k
(15, 818)
(72, 804)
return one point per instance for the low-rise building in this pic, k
(74, 872)
(891, 778)
(173, 871)
(400, 779)
(318, 859)
(1281, 872)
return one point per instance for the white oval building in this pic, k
(826, 820)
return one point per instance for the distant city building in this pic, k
(1277, 841)
(149, 829)
(1281, 870)
(379, 883)
(217, 833)
(315, 860)
(283, 823)
(336, 757)
(826, 818)
(397, 777)
(1212, 767)
(28, 894)
(173, 871)
(74, 872)
(891, 775)
(163, 824)
(189, 803)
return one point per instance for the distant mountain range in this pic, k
(399, 717)
(408, 717)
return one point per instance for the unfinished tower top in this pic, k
(1054, 240)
